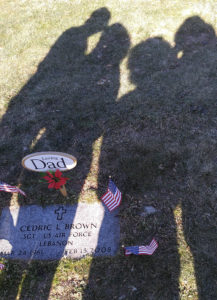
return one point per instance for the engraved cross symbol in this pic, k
(60, 211)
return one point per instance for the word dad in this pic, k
(45, 161)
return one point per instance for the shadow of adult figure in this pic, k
(135, 153)
(198, 44)
(41, 115)
(100, 90)
(64, 107)
(46, 103)
(160, 147)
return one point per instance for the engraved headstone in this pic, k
(58, 231)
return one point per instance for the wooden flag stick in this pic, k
(63, 191)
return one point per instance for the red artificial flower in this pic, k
(55, 180)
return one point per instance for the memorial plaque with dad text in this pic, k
(58, 231)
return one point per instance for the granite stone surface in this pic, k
(58, 231)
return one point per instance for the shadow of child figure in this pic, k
(136, 152)
(69, 100)
(198, 44)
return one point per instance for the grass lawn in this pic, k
(130, 89)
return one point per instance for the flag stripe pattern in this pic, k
(112, 198)
(2, 266)
(142, 250)
(9, 188)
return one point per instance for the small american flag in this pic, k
(142, 250)
(11, 189)
(2, 266)
(112, 198)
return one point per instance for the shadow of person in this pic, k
(160, 147)
(198, 44)
(64, 107)
(42, 115)
(139, 160)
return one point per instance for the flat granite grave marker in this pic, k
(58, 231)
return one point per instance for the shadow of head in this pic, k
(147, 59)
(98, 20)
(192, 33)
(113, 45)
